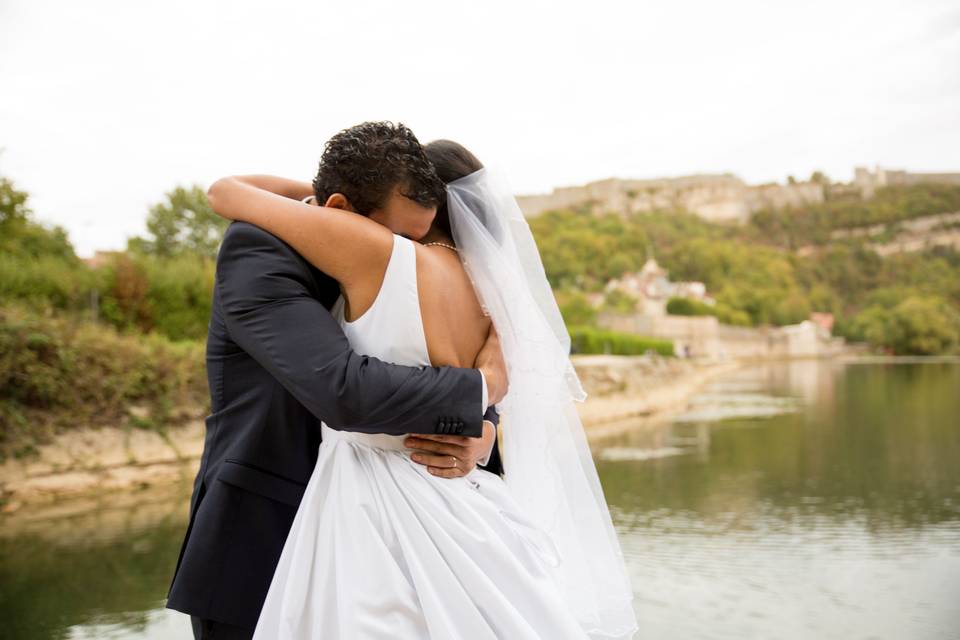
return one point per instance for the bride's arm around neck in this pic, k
(347, 246)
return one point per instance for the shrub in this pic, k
(60, 374)
(689, 307)
(619, 302)
(180, 293)
(917, 325)
(591, 340)
(575, 308)
(46, 282)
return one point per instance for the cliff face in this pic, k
(718, 198)
(904, 236)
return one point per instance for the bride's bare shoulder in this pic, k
(438, 265)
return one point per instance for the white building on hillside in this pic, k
(652, 288)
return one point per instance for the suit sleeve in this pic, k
(271, 312)
(494, 462)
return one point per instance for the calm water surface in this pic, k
(793, 500)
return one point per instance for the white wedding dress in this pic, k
(380, 548)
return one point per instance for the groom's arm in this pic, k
(271, 312)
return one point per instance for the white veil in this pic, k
(546, 458)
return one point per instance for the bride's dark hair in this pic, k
(452, 161)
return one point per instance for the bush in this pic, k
(124, 302)
(46, 282)
(59, 374)
(917, 325)
(180, 294)
(729, 315)
(575, 308)
(619, 302)
(591, 340)
(689, 307)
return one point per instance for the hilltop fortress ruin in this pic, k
(718, 198)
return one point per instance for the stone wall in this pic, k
(719, 198)
(706, 337)
(716, 197)
(869, 181)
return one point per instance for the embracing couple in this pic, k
(353, 484)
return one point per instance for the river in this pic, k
(796, 500)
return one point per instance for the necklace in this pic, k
(440, 244)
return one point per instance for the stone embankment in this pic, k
(624, 389)
(87, 461)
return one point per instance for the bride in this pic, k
(380, 546)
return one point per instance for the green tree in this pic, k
(182, 224)
(575, 308)
(925, 326)
(13, 203)
(792, 308)
(20, 235)
(917, 325)
(729, 315)
(619, 302)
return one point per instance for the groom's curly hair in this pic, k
(365, 163)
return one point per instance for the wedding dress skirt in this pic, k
(381, 548)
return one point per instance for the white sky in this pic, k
(107, 104)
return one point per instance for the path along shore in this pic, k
(624, 392)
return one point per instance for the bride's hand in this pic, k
(451, 456)
(490, 362)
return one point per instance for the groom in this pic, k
(278, 364)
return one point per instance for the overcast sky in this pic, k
(107, 104)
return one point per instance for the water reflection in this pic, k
(99, 572)
(838, 517)
(840, 520)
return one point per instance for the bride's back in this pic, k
(453, 321)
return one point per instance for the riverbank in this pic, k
(624, 391)
(866, 462)
(631, 392)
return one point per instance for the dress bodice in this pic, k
(391, 329)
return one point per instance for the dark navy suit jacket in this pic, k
(278, 364)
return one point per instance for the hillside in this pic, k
(120, 340)
(899, 301)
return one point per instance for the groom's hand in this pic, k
(451, 456)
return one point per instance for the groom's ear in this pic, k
(338, 201)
